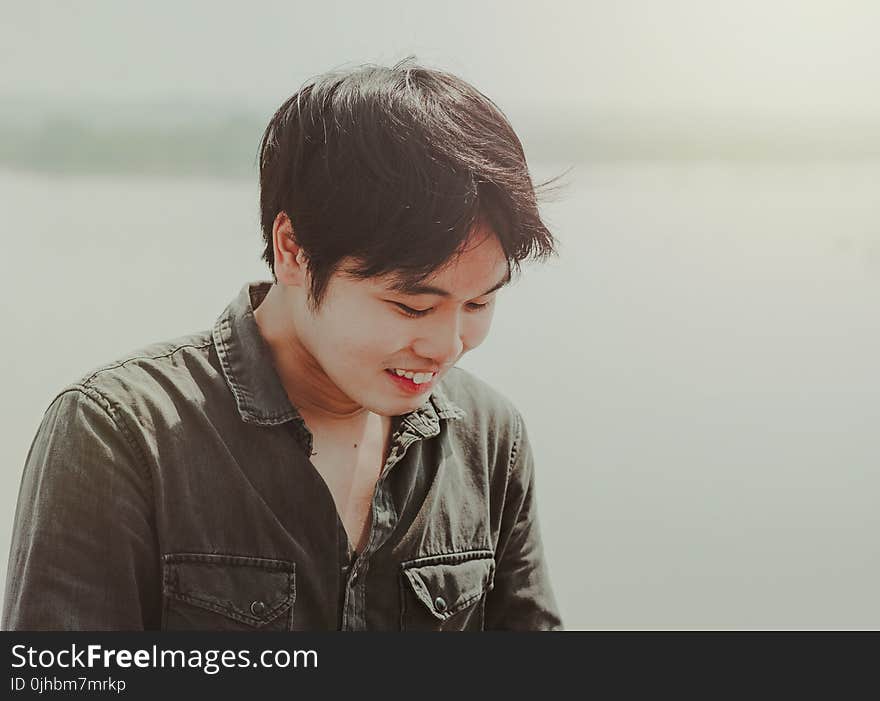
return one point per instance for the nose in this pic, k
(441, 343)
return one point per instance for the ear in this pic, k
(290, 259)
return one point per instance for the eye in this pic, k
(409, 311)
(416, 313)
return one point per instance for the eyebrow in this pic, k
(407, 287)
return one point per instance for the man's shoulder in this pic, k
(152, 370)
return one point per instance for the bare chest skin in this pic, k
(350, 464)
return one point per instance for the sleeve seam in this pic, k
(99, 399)
(515, 447)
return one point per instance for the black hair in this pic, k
(395, 167)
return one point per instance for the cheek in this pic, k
(365, 335)
(476, 329)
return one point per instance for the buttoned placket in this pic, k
(416, 426)
(421, 424)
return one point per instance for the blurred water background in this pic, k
(698, 368)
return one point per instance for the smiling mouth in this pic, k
(408, 384)
(417, 375)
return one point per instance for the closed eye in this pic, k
(416, 313)
(409, 311)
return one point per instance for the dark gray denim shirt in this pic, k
(173, 490)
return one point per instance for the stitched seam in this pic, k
(247, 560)
(292, 594)
(362, 581)
(460, 605)
(242, 396)
(457, 606)
(204, 603)
(417, 586)
(406, 564)
(514, 449)
(227, 367)
(404, 585)
(110, 410)
(144, 357)
(210, 603)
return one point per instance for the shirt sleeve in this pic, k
(83, 554)
(522, 598)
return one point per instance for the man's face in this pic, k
(365, 329)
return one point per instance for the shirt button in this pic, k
(258, 608)
(440, 604)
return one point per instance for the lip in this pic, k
(408, 385)
(431, 370)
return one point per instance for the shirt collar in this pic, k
(249, 370)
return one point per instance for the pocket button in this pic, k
(258, 608)
(440, 604)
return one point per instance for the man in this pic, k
(315, 460)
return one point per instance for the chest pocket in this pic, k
(446, 592)
(204, 591)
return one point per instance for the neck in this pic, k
(306, 384)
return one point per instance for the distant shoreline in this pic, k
(223, 143)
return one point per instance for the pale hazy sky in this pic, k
(819, 59)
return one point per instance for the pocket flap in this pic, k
(249, 589)
(446, 584)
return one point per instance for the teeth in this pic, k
(417, 377)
